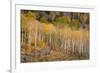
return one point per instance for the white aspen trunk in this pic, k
(81, 42)
(29, 36)
(73, 46)
(68, 44)
(36, 36)
(65, 46)
(22, 40)
(42, 36)
(50, 38)
(50, 41)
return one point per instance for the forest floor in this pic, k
(58, 56)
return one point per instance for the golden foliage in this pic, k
(48, 28)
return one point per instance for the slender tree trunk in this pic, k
(36, 33)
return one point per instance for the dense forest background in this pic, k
(74, 20)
